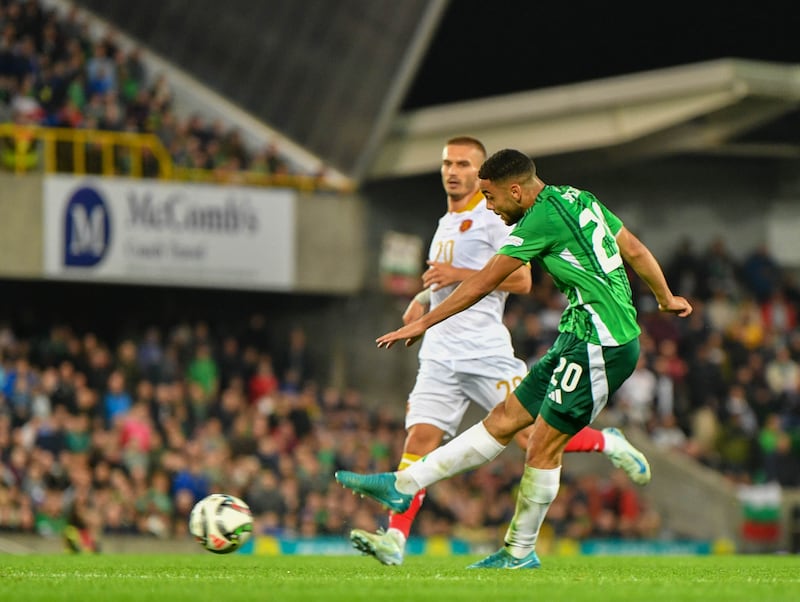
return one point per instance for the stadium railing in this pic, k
(32, 148)
(26, 148)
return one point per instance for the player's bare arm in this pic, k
(519, 282)
(441, 274)
(469, 292)
(414, 311)
(639, 257)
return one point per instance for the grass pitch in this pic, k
(204, 577)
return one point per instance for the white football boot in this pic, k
(386, 546)
(625, 456)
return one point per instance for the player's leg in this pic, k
(388, 546)
(613, 443)
(489, 381)
(474, 447)
(538, 488)
(436, 407)
(577, 391)
(610, 441)
(421, 439)
(477, 445)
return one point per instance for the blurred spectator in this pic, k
(101, 72)
(738, 405)
(154, 506)
(116, 401)
(635, 399)
(296, 364)
(263, 383)
(190, 478)
(136, 437)
(685, 270)
(203, 370)
(783, 373)
(761, 274)
(150, 354)
(778, 313)
(705, 377)
(721, 270)
(721, 310)
(787, 461)
(666, 433)
(230, 362)
(748, 328)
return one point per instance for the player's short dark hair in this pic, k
(467, 141)
(506, 164)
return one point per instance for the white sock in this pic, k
(609, 443)
(398, 535)
(470, 449)
(537, 490)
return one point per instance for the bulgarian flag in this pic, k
(761, 508)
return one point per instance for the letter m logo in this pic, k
(87, 229)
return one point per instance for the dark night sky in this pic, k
(485, 48)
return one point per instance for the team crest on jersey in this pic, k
(465, 225)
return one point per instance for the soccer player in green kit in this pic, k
(582, 245)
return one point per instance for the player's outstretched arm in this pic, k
(466, 294)
(639, 257)
(441, 274)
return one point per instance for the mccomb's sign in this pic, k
(150, 232)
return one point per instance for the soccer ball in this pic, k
(221, 523)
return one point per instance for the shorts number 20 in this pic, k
(565, 378)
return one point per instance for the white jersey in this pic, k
(468, 239)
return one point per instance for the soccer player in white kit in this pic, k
(469, 357)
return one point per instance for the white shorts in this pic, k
(444, 389)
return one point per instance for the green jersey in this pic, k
(573, 236)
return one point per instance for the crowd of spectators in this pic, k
(722, 386)
(100, 438)
(54, 73)
(123, 437)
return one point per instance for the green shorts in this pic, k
(574, 379)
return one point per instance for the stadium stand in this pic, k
(120, 435)
(61, 86)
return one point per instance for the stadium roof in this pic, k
(371, 89)
(713, 107)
